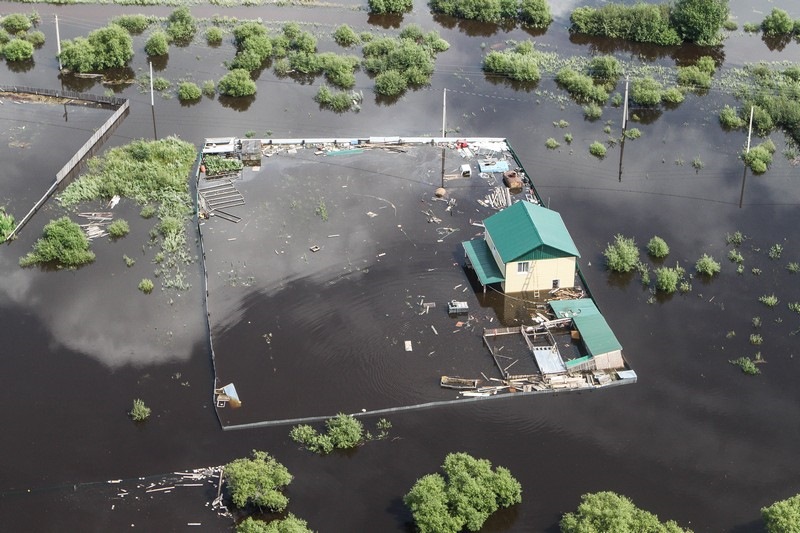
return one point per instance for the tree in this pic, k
(782, 516)
(63, 244)
(188, 91)
(601, 512)
(667, 279)
(657, 247)
(707, 265)
(18, 50)
(181, 25)
(467, 494)
(699, 21)
(157, 44)
(15, 23)
(622, 255)
(236, 83)
(777, 23)
(290, 524)
(6, 224)
(109, 47)
(258, 481)
(344, 430)
(646, 91)
(535, 13)
(396, 7)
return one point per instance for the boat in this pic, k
(458, 383)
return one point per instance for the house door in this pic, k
(555, 283)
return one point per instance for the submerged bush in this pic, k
(344, 35)
(759, 158)
(699, 21)
(139, 412)
(119, 228)
(777, 23)
(258, 481)
(622, 255)
(514, 64)
(135, 24)
(237, 83)
(18, 50)
(694, 78)
(646, 91)
(382, 7)
(214, 35)
(597, 149)
(481, 10)
(15, 23)
(657, 247)
(6, 224)
(639, 22)
(290, 524)
(730, 119)
(157, 44)
(63, 244)
(535, 13)
(748, 367)
(338, 101)
(605, 68)
(390, 83)
(667, 279)
(707, 265)
(181, 25)
(146, 286)
(109, 47)
(609, 511)
(188, 91)
(580, 86)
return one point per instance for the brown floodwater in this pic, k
(695, 440)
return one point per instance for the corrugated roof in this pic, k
(571, 308)
(483, 261)
(595, 331)
(526, 231)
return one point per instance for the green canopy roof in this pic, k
(483, 261)
(526, 231)
(594, 330)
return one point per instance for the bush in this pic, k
(135, 24)
(181, 25)
(188, 91)
(597, 149)
(109, 47)
(693, 78)
(749, 27)
(730, 25)
(464, 497)
(633, 133)
(777, 23)
(481, 10)
(749, 368)
(258, 481)
(344, 35)
(339, 101)
(36, 38)
(345, 431)
(15, 23)
(6, 224)
(63, 244)
(605, 68)
(592, 111)
(390, 83)
(290, 524)
(535, 13)
(236, 83)
(157, 44)
(639, 22)
(119, 228)
(580, 86)
(782, 516)
(699, 21)
(667, 279)
(657, 247)
(139, 412)
(622, 255)
(759, 158)
(608, 511)
(646, 91)
(551, 143)
(18, 50)
(382, 7)
(146, 286)
(730, 119)
(214, 36)
(516, 66)
(707, 265)
(209, 88)
(672, 95)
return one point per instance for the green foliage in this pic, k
(770, 300)
(521, 64)
(756, 321)
(382, 7)
(622, 255)
(730, 119)
(146, 286)
(750, 27)
(707, 265)
(593, 111)
(109, 47)
(775, 251)
(237, 83)
(535, 13)
(748, 367)
(756, 339)
(672, 95)
(777, 23)
(735, 256)
(258, 481)
(793, 267)
(217, 164)
(63, 244)
(36, 38)
(161, 84)
(697, 163)
(699, 21)
(18, 50)
(639, 22)
(667, 279)
(646, 91)
(322, 210)
(580, 86)
(345, 431)
(290, 524)
(608, 511)
(605, 68)
(551, 143)
(401, 62)
(344, 35)
(598, 150)
(481, 10)
(657, 247)
(188, 91)
(129, 261)
(464, 497)
(139, 412)
(693, 78)
(135, 24)
(7, 224)
(759, 158)
(730, 25)
(390, 83)
(119, 228)
(15, 23)
(147, 211)
(339, 101)
(209, 88)
(214, 35)
(568, 138)
(253, 46)
(181, 25)
(157, 44)
(633, 133)
(782, 516)
(736, 238)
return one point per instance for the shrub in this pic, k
(694, 78)
(129, 261)
(135, 24)
(730, 25)
(181, 25)
(109, 47)
(339, 101)
(770, 300)
(639, 22)
(672, 95)
(597, 149)
(750, 27)
(209, 88)
(646, 91)
(344, 35)
(290, 524)
(633, 133)
(759, 158)
(517, 66)
(382, 7)
(657, 247)
(63, 243)
(775, 251)
(258, 481)
(157, 44)
(568, 138)
(605, 68)
(593, 111)
(146, 286)
(747, 366)
(551, 143)
(580, 86)
(147, 211)
(782, 516)
(699, 21)
(793, 267)
(622, 255)
(214, 35)
(706, 64)
(188, 91)
(481, 10)
(730, 119)
(777, 23)
(390, 83)
(6, 224)
(707, 265)
(667, 279)
(36, 38)
(608, 511)
(119, 228)
(139, 412)
(736, 238)
(18, 50)
(535, 13)
(735, 256)
(236, 83)
(756, 339)
(161, 83)
(15, 23)
(345, 431)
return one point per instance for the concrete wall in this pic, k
(540, 275)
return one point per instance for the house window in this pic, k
(555, 283)
(524, 267)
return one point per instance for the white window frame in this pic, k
(523, 267)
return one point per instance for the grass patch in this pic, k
(7, 224)
(146, 286)
(119, 228)
(551, 143)
(139, 412)
(62, 244)
(770, 300)
(597, 149)
(129, 261)
(747, 365)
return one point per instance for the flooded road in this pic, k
(695, 440)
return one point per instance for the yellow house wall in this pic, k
(540, 275)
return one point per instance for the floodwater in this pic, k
(695, 440)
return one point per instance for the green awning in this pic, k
(483, 261)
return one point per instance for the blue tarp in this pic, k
(498, 166)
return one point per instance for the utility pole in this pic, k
(153, 103)
(444, 110)
(624, 128)
(749, 130)
(58, 45)
(747, 151)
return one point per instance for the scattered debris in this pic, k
(227, 394)
(408, 346)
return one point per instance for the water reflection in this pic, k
(385, 21)
(777, 43)
(77, 83)
(473, 28)
(241, 103)
(505, 81)
(21, 66)
(159, 62)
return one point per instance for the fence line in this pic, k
(87, 147)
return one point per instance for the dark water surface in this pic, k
(695, 440)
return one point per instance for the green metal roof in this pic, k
(526, 231)
(483, 261)
(594, 330)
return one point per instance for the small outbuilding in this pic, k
(605, 351)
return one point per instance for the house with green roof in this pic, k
(525, 248)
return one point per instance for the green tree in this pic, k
(63, 243)
(657, 247)
(602, 512)
(109, 47)
(427, 500)
(667, 279)
(188, 91)
(622, 255)
(258, 481)
(236, 83)
(646, 91)
(135, 24)
(18, 50)
(15, 23)
(181, 25)
(344, 430)
(707, 265)
(777, 23)
(782, 516)
(382, 7)
(6, 224)
(699, 21)
(344, 35)
(535, 13)
(157, 44)
(290, 524)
